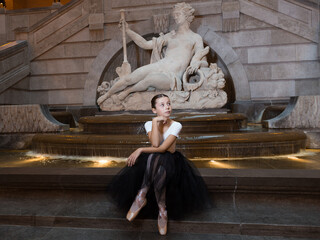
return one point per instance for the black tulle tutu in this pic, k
(186, 191)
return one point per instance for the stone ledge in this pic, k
(217, 180)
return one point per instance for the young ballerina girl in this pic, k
(160, 174)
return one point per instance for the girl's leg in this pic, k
(140, 200)
(160, 192)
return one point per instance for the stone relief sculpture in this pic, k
(178, 68)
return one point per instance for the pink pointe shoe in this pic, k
(136, 206)
(162, 222)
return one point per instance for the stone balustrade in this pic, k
(14, 63)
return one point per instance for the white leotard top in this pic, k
(174, 129)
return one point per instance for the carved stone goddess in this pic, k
(184, 54)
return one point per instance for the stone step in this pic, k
(278, 181)
(247, 203)
(149, 225)
(47, 233)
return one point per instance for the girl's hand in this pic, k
(133, 157)
(161, 119)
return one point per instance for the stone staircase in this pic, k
(73, 204)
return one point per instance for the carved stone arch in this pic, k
(213, 40)
(231, 61)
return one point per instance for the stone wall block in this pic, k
(242, 54)
(306, 52)
(54, 82)
(307, 87)
(272, 89)
(82, 35)
(72, 96)
(258, 72)
(247, 22)
(298, 70)
(61, 66)
(28, 119)
(271, 54)
(295, 11)
(279, 20)
(248, 38)
(96, 21)
(58, 23)
(279, 36)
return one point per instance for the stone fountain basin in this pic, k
(246, 144)
(192, 123)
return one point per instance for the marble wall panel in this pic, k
(272, 89)
(61, 66)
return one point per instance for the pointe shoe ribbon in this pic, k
(135, 208)
(162, 222)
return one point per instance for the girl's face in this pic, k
(163, 107)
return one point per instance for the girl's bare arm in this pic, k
(162, 148)
(155, 136)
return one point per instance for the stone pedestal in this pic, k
(28, 119)
(302, 112)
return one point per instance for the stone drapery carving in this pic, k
(178, 67)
